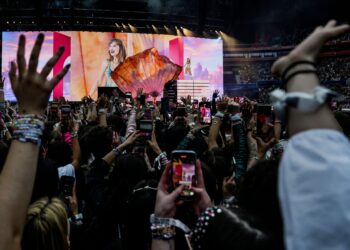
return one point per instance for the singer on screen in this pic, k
(117, 55)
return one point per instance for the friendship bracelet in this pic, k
(28, 128)
(163, 232)
(285, 72)
(307, 71)
(74, 134)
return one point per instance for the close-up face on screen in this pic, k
(183, 166)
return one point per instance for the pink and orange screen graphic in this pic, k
(90, 58)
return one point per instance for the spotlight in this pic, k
(132, 28)
(155, 29)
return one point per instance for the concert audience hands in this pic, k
(33, 89)
(154, 144)
(166, 203)
(202, 200)
(311, 46)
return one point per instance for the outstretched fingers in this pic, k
(51, 63)
(34, 56)
(53, 82)
(21, 61)
(165, 179)
(12, 75)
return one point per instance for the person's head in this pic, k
(140, 206)
(46, 226)
(99, 141)
(257, 193)
(60, 152)
(116, 49)
(175, 135)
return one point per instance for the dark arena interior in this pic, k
(180, 124)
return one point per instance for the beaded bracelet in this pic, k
(74, 134)
(28, 128)
(202, 224)
(163, 232)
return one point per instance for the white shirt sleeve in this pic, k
(314, 191)
(66, 170)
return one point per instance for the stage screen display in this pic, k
(127, 60)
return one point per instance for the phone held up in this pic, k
(66, 185)
(183, 166)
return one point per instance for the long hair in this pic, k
(122, 52)
(46, 227)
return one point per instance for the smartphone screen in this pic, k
(66, 109)
(146, 128)
(207, 116)
(195, 104)
(148, 114)
(184, 171)
(66, 185)
(264, 120)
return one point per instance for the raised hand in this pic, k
(216, 94)
(222, 104)
(202, 200)
(228, 186)
(311, 46)
(32, 89)
(166, 204)
(154, 144)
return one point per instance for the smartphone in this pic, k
(66, 185)
(145, 128)
(128, 97)
(66, 109)
(184, 172)
(207, 116)
(195, 104)
(148, 114)
(54, 107)
(264, 120)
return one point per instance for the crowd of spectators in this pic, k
(329, 69)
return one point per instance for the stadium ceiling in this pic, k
(235, 17)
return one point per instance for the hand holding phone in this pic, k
(184, 172)
(66, 185)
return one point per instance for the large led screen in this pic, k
(127, 60)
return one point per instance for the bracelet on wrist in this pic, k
(28, 128)
(164, 228)
(74, 134)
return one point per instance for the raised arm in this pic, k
(308, 50)
(32, 90)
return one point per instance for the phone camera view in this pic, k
(205, 114)
(146, 128)
(183, 169)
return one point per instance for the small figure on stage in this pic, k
(188, 67)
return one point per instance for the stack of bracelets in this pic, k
(28, 128)
(165, 228)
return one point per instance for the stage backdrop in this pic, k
(88, 52)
